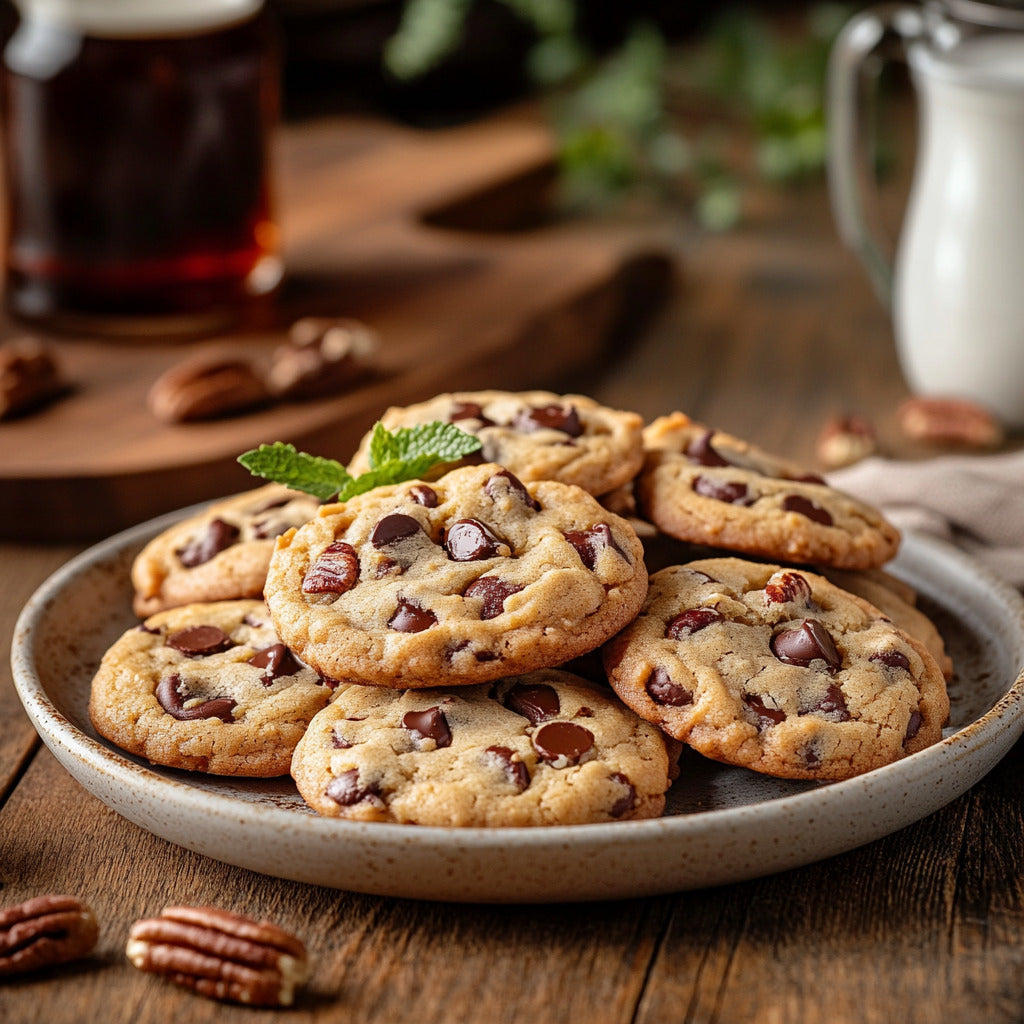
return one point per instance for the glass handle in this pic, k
(861, 43)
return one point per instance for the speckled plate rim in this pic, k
(555, 863)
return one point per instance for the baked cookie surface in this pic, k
(777, 670)
(207, 687)
(546, 748)
(706, 487)
(220, 554)
(537, 435)
(465, 579)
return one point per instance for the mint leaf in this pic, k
(284, 464)
(407, 454)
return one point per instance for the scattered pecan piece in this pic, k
(206, 385)
(220, 955)
(949, 421)
(323, 357)
(845, 440)
(44, 931)
(29, 376)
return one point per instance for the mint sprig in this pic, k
(407, 454)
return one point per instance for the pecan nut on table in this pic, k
(45, 931)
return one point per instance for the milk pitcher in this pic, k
(956, 288)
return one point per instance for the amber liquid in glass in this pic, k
(137, 174)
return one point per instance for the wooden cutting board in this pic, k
(432, 238)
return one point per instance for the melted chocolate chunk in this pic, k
(732, 492)
(662, 690)
(536, 702)
(218, 536)
(699, 450)
(392, 528)
(810, 641)
(172, 700)
(346, 790)
(516, 772)
(468, 411)
(340, 742)
(832, 705)
(627, 801)
(199, 641)
(469, 540)
(913, 726)
(807, 508)
(423, 495)
(276, 661)
(410, 617)
(336, 571)
(428, 725)
(562, 743)
(500, 482)
(806, 478)
(892, 659)
(590, 543)
(788, 586)
(494, 593)
(549, 417)
(691, 621)
(766, 716)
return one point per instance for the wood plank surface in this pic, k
(770, 330)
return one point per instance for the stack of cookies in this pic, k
(408, 655)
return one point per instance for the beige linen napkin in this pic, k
(974, 501)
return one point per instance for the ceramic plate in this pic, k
(723, 824)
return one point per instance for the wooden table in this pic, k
(771, 329)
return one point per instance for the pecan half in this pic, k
(949, 421)
(845, 440)
(322, 357)
(206, 385)
(220, 955)
(44, 931)
(29, 376)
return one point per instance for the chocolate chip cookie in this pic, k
(467, 578)
(706, 487)
(537, 435)
(219, 554)
(777, 670)
(546, 748)
(207, 687)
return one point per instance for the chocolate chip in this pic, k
(340, 742)
(346, 790)
(732, 492)
(584, 712)
(168, 694)
(536, 701)
(691, 621)
(549, 417)
(766, 716)
(143, 628)
(503, 481)
(423, 495)
(806, 478)
(810, 641)
(590, 543)
(393, 528)
(562, 744)
(428, 725)
(805, 507)
(218, 536)
(494, 592)
(913, 726)
(662, 690)
(627, 801)
(892, 659)
(199, 641)
(517, 772)
(410, 617)
(468, 411)
(469, 540)
(699, 450)
(251, 620)
(276, 661)
(832, 705)
(336, 571)
(788, 586)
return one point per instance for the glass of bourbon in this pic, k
(136, 146)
